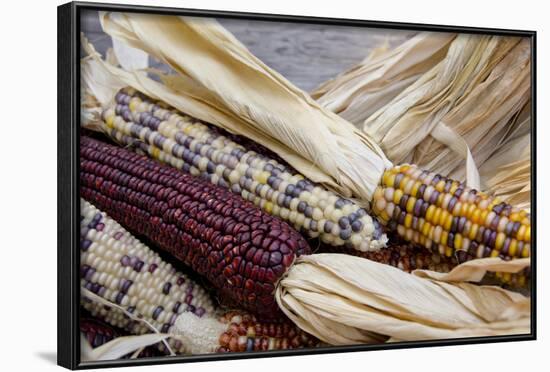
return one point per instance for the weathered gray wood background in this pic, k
(306, 54)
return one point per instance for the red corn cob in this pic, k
(246, 333)
(240, 249)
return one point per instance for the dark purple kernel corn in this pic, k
(145, 197)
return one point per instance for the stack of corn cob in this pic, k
(423, 208)
(141, 293)
(193, 147)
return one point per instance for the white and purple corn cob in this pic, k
(192, 146)
(119, 268)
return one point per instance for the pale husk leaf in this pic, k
(255, 100)
(368, 86)
(330, 294)
(118, 347)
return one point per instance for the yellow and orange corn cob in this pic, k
(450, 218)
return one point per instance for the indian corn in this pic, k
(245, 333)
(119, 268)
(98, 333)
(192, 146)
(446, 216)
(237, 247)
(106, 246)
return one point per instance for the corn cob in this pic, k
(237, 247)
(98, 333)
(193, 147)
(238, 331)
(449, 217)
(106, 245)
(246, 333)
(117, 267)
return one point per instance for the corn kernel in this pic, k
(397, 195)
(499, 242)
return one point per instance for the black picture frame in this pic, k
(68, 110)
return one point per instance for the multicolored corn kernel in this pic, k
(117, 267)
(241, 250)
(192, 146)
(450, 218)
(246, 334)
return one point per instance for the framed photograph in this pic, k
(236, 185)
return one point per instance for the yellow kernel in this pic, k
(475, 216)
(464, 209)
(403, 182)
(109, 121)
(521, 232)
(439, 200)
(391, 180)
(155, 152)
(449, 251)
(448, 222)
(473, 231)
(384, 216)
(483, 216)
(133, 104)
(415, 187)
(453, 188)
(268, 207)
(458, 241)
(523, 213)
(499, 241)
(421, 223)
(386, 178)
(430, 212)
(526, 252)
(440, 186)
(437, 215)
(513, 248)
(397, 194)
(410, 204)
(471, 209)
(521, 280)
(426, 229)
(408, 220)
(494, 253)
(514, 217)
(528, 234)
(403, 168)
(262, 177)
(444, 236)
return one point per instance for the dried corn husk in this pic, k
(344, 300)
(118, 347)
(466, 103)
(221, 82)
(507, 173)
(359, 92)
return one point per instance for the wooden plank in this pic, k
(306, 54)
